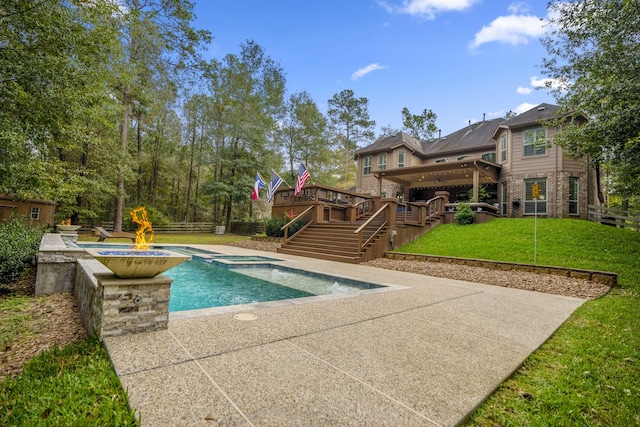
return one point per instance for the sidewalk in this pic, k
(425, 352)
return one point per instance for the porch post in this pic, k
(476, 184)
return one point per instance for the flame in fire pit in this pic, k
(139, 216)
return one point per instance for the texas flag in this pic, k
(257, 186)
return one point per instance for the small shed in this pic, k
(38, 211)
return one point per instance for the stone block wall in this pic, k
(111, 306)
(56, 265)
(133, 305)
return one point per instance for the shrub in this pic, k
(464, 214)
(20, 242)
(273, 225)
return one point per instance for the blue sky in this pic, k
(459, 58)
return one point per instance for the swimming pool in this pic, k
(199, 284)
(212, 279)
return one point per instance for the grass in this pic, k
(75, 385)
(15, 318)
(170, 238)
(588, 373)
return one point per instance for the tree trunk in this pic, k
(124, 134)
(190, 178)
(139, 144)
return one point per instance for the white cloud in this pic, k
(366, 70)
(549, 83)
(510, 29)
(524, 90)
(427, 8)
(519, 8)
(525, 106)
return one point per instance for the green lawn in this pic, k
(588, 373)
(171, 238)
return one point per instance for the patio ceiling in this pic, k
(443, 174)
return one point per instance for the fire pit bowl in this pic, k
(62, 228)
(135, 263)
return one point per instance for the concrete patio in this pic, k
(424, 351)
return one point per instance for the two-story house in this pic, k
(499, 162)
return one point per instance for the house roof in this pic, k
(475, 136)
(533, 116)
(391, 142)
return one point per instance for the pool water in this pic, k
(185, 250)
(199, 284)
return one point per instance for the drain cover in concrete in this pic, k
(245, 316)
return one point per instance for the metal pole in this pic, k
(535, 230)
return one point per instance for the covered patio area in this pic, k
(464, 180)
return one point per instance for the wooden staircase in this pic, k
(332, 241)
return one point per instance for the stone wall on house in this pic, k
(557, 196)
(515, 190)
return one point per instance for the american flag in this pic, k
(303, 176)
(274, 184)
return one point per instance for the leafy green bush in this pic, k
(464, 214)
(20, 242)
(273, 225)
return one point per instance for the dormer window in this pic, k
(445, 160)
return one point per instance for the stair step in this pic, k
(318, 255)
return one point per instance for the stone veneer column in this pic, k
(132, 305)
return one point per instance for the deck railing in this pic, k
(308, 216)
(372, 227)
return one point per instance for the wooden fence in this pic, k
(237, 227)
(615, 217)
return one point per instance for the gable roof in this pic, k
(533, 116)
(473, 137)
(390, 142)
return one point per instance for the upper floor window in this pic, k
(401, 158)
(463, 157)
(442, 160)
(382, 161)
(366, 165)
(535, 142)
(503, 148)
(35, 214)
(489, 156)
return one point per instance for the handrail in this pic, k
(297, 217)
(374, 234)
(366, 223)
(433, 199)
